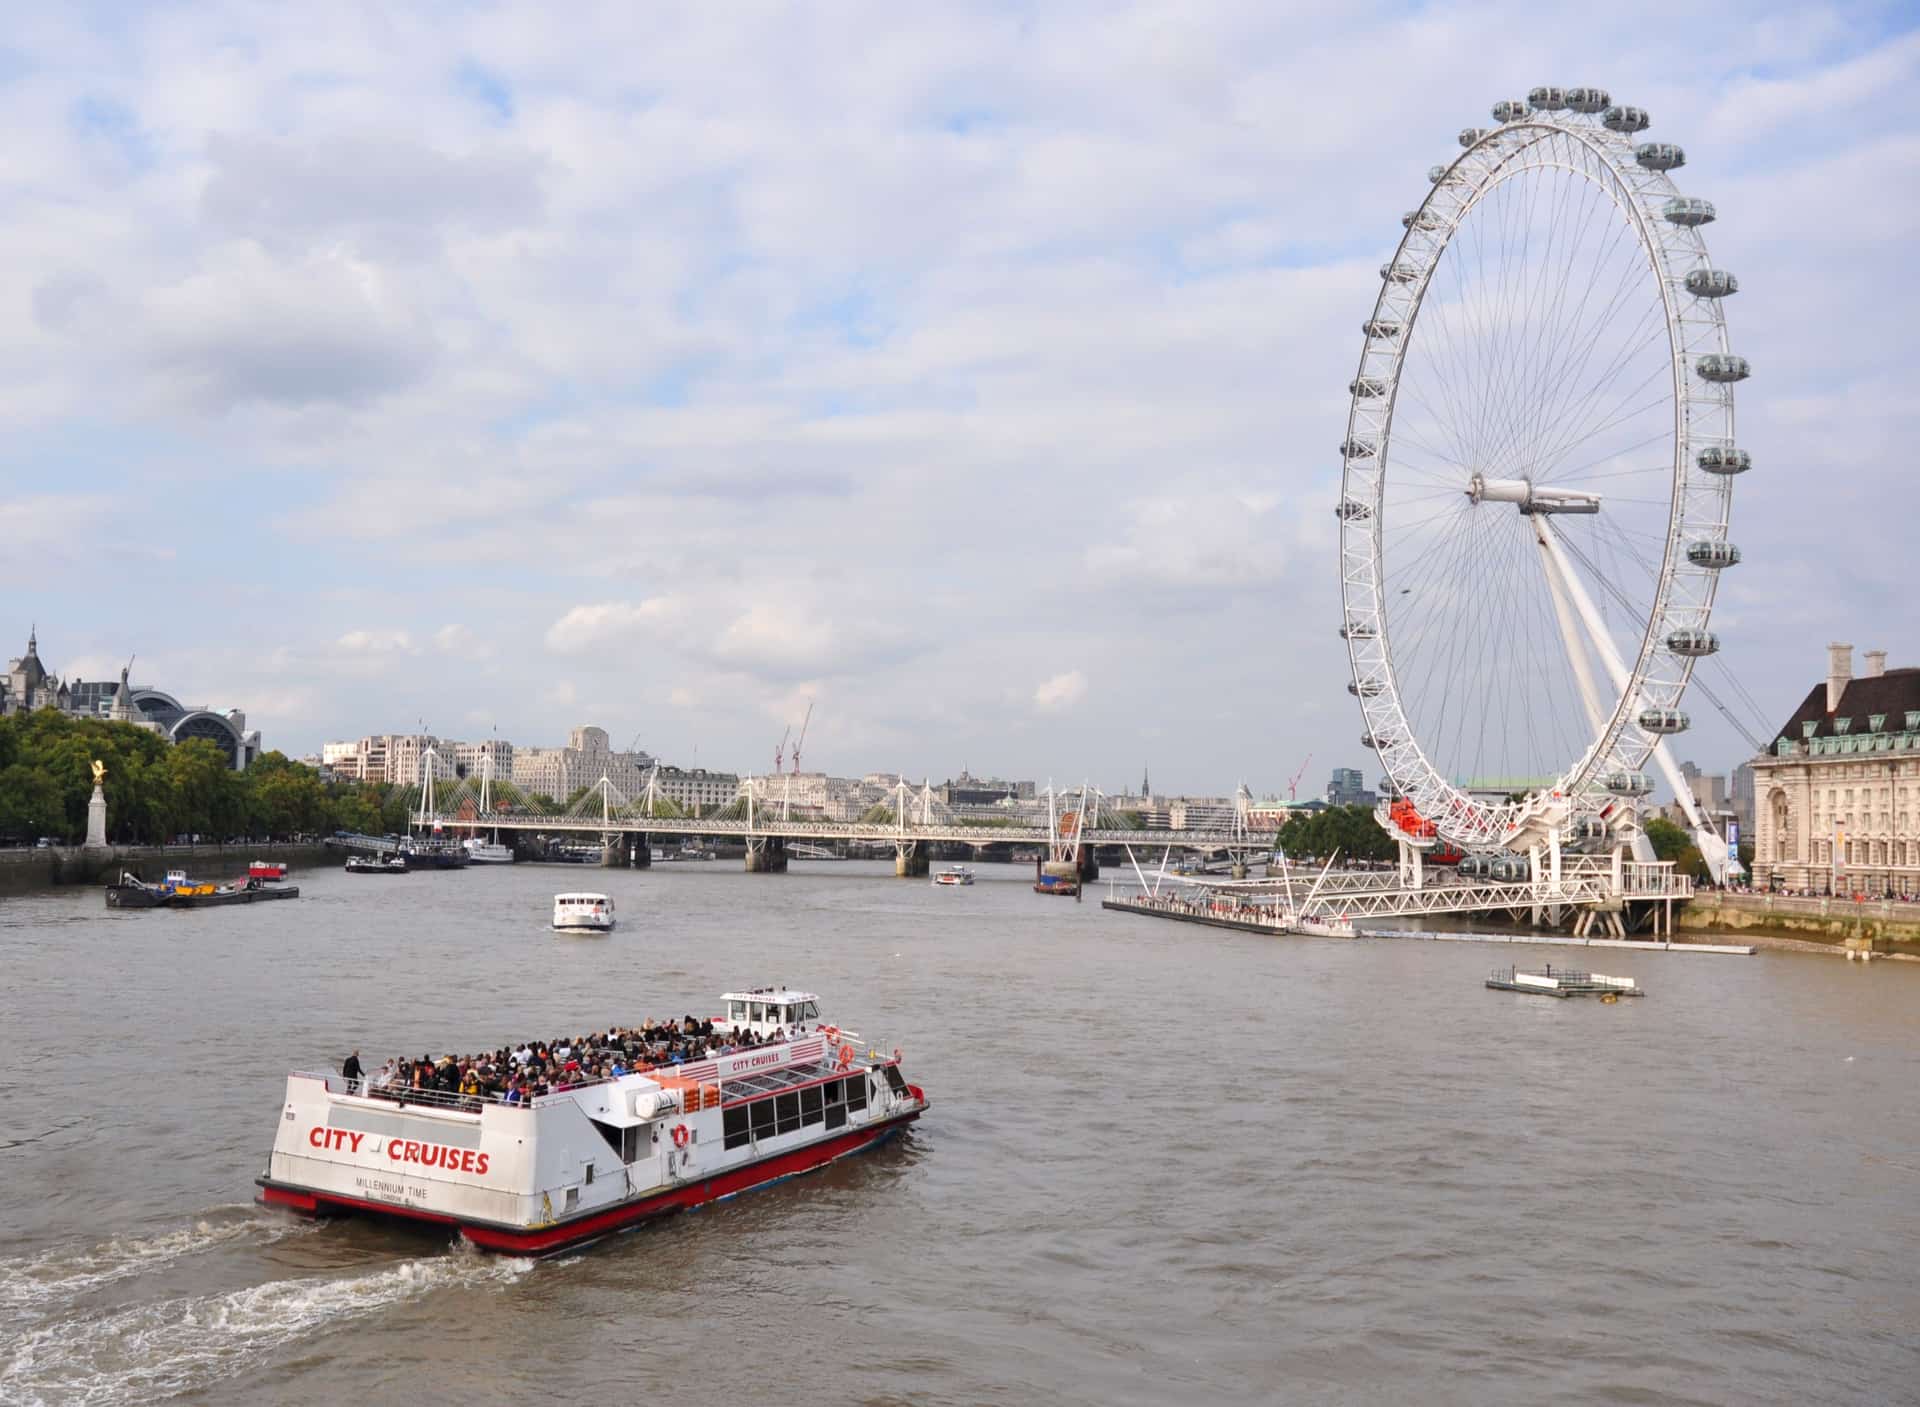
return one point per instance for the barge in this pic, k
(176, 891)
(579, 1164)
(1564, 983)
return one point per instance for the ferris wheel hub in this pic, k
(1529, 497)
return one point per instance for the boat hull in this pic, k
(127, 897)
(600, 1223)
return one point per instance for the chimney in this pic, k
(1839, 671)
(1876, 664)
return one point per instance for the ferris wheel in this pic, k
(1537, 480)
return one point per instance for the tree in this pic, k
(1669, 842)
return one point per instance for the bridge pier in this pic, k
(910, 859)
(641, 853)
(767, 854)
(1087, 863)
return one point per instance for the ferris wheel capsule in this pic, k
(1689, 210)
(1665, 721)
(1421, 220)
(1366, 386)
(1351, 509)
(1660, 156)
(1588, 100)
(1470, 135)
(1356, 449)
(1628, 783)
(1713, 555)
(1398, 273)
(1547, 99)
(1385, 331)
(1510, 110)
(1359, 630)
(1728, 460)
(1437, 174)
(1712, 283)
(1723, 367)
(1694, 644)
(1626, 119)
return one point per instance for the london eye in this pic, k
(1537, 480)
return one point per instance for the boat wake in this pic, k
(171, 1346)
(60, 1275)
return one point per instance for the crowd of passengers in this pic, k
(533, 1068)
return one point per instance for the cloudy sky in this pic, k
(974, 370)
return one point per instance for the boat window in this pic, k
(832, 1092)
(810, 1105)
(760, 1114)
(737, 1011)
(759, 1011)
(857, 1092)
(836, 1116)
(733, 1124)
(787, 1015)
(810, 1012)
(895, 1080)
(789, 1107)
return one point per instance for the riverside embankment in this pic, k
(1889, 925)
(24, 871)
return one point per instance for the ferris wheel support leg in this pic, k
(1576, 653)
(1713, 848)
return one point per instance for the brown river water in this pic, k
(1163, 1163)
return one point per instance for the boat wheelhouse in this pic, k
(582, 913)
(577, 1164)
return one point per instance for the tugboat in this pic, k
(578, 1164)
(176, 891)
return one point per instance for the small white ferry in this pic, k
(954, 874)
(487, 852)
(582, 913)
(562, 1168)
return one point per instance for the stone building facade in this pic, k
(1837, 795)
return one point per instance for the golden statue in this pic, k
(99, 772)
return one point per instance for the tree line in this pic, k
(159, 791)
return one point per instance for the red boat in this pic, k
(266, 869)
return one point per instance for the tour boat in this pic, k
(177, 891)
(488, 852)
(579, 1164)
(954, 874)
(266, 869)
(373, 864)
(583, 913)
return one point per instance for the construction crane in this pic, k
(780, 753)
(1294, 780)
(802, 738)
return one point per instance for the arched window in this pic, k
(1782, 826)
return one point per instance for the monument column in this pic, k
(97, 810)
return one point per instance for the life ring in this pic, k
(681, 1136)
(832, 1033)
(846, 1057)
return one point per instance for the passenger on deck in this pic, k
(351, 1069)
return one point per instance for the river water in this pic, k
(1163, 1161)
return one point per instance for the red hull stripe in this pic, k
(541, 1240)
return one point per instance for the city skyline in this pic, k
(986, 395)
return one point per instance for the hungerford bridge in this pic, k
(912, 820)
(1604, 892)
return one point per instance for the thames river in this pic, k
(1164, 1163)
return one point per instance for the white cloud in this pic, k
(376, 642)
(1060, 692)
(605, 623)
